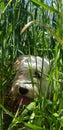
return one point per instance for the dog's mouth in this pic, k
(23, 100)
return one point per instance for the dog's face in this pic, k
(31, 77)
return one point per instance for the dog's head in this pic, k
(31, 77)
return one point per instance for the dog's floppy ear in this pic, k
(18, 62)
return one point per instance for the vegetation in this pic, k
(43, 36)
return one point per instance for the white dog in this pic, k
(32, 78)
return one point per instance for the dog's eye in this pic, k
(38, 74)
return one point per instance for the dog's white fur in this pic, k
(32, 75)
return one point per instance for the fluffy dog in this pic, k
(32, 78)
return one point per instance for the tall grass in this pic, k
(43, 38)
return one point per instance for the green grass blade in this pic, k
(34, 127)
(45, 6)
(6, 111)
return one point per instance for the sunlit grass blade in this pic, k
(7, 5)
(34, 127)
(53, 33)
(26, 26)
(41, 4)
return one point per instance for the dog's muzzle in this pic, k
(24, 92)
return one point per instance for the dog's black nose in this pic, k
(23, 91)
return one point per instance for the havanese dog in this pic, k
(32, 78)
